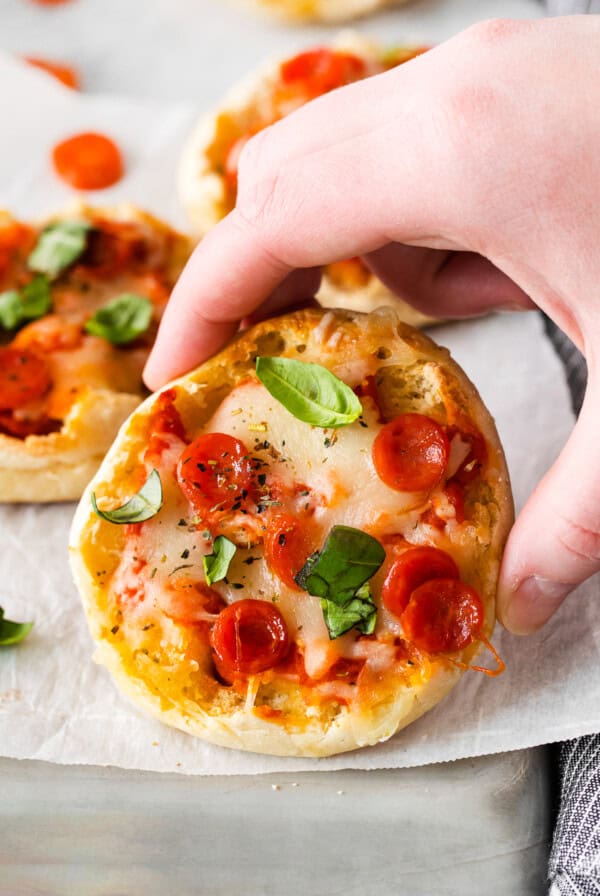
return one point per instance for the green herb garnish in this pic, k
(339, 574)
(30, 303)
(58, 246)
(216, 565)
(12, 632)
(122, 320)
(360, 612)
(309, 391)
(142, 506)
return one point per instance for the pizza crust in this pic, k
(418, 376)
(57, 467)
(204, 196)
(321, 10)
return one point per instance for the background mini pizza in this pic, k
(80, 302)
(321, 10)
(295, 548)
(209, 164)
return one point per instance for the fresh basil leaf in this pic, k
(361, 614)
(11, 309)
(216, 564)
(142, 506)
(58, 247)
(122, 320)
(309, 391)
(36, 298)
(12, 632)
(32, 302)
(349, 558)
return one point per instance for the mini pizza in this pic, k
(80, 302)
(295, 548)
(321, 10)
(209, 164)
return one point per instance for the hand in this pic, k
(468, 179)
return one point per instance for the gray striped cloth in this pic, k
(574, 868)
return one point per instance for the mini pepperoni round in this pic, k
(88, 161)
(24, 377)
(248, 637)
(411, 569)
(443, 615)
(322, 70)
(215, 472)
(48, 334)
(113, 246)
(35, 426)
(288, 543)
(410, 453)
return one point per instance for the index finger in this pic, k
(342, 176)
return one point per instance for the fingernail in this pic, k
(531, 604)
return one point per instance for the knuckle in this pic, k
(579, 540)
(493, 32)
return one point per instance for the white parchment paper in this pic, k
(57, 705)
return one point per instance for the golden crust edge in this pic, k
(56, 467)
(326, 11)
(243, 729)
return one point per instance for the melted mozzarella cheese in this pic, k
(334, 465)
(335, 468)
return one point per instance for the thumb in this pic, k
(555, 542)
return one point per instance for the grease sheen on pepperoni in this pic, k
(443, 615)
(249, 636)
(215, 472)
(414, 567)
(287, 545)
(410, 453)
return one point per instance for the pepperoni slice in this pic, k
(322, 70)
(20, 429)
(88, 161)
(49, 334)
(443, 615)
(410, 453)
(215, 472)
(249, 636)
(63, 73)
(23, 378)
(113, 246)
(287, 545)
(13, 237)
(412, 569)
